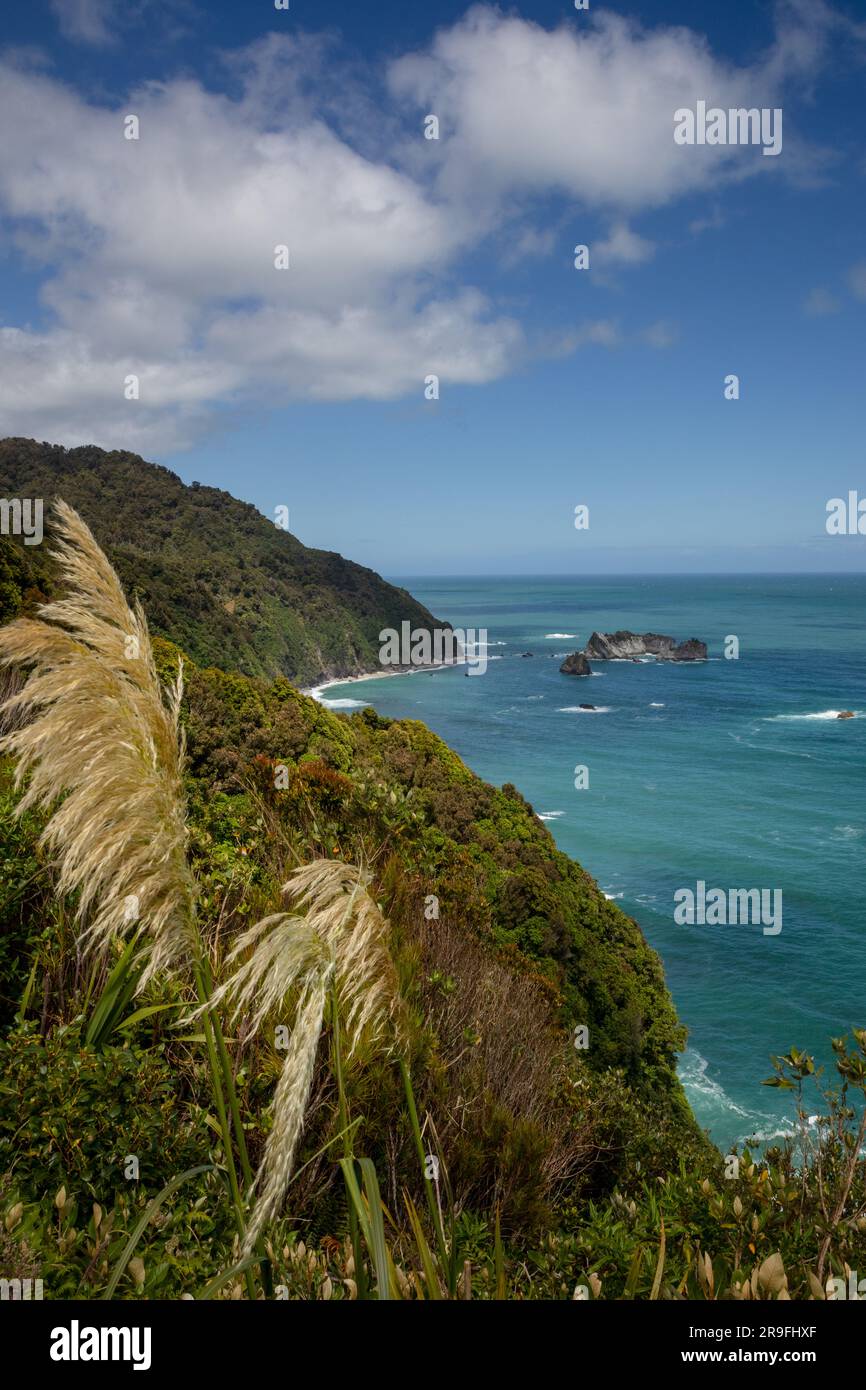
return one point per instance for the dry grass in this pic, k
(100, 747)
(501, 1044)
(11, 683)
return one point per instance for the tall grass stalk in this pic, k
(435, 1214)
(369, 1211)
(99, 746)
(348, 1153)
(333, 946)
(217, 1082)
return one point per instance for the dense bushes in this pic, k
(26, 905)
(521, 944)
(480, 850)
(72, 1115)
(585, 1168)
(587, 1160)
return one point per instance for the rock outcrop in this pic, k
(691, 650)
(627, 646)
(845, 714)
(576, 665)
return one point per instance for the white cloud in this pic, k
(62, 386)
(85, 21)
(158, 253)
(167, 252)
(529, 244)
(369, 352)
(622, 246)
(585, 110)
(596, 332)
(105, 23)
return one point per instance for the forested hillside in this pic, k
(214, 574)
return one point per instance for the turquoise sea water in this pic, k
(733, 772)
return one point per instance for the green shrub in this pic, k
(71, 1115)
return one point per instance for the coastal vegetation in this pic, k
(290, 1002)
(226, 584)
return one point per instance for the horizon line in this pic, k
(640, 574)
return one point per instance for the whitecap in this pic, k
(767, 1136)
(821, 714)
(344, 704)
(575, 709)
(702, 1090)
(693, 1075)
(550, 815)
(657, 704)
(561, 636)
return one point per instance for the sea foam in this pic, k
(576, 709)
(821, 714)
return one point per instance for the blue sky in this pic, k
(305, 387)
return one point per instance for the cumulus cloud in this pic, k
(588, 109)
(167, 248)
(158, 254)
(622, 246)
(64, 386)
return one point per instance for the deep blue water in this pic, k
(734, 772)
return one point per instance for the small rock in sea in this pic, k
(576, 665)
(692, 650)
(527, 653)
(845, 714)
(587, 706)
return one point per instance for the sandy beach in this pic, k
(315, 691)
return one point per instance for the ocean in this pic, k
(734, 773)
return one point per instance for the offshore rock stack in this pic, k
(631, 646)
